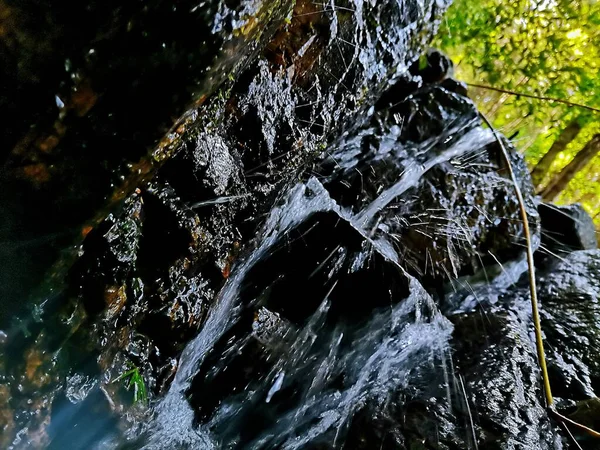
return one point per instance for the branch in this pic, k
(532, 285)
(537, 97)
(565, 419)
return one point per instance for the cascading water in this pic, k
(330, 365)
(329, 254)
(350, 327)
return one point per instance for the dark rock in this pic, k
(569, 292)
(447, 210)
(147, 274)
(566, 228)
(434, 67)
(494, 355)
(494, 393)
(95, 97)
(339, 276)
(246, 354)
(281, 391)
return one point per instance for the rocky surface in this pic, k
(325, 252)
(567, 228)
(95, 97)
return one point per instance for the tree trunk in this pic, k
(582, 159)
(564, 138)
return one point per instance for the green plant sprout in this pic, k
(133, 378)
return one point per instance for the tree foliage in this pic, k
(545, 48)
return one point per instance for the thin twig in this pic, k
(532, 285)
(565, 428)
(565, 419)
(537, 97)
(464, 392)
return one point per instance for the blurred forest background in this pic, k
(542, 48)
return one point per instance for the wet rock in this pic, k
(405, 422)
(264, 400)
(496, 357)
(244, 152)
(245, 355)
(116, 84)
(493, 393)
(566, 228)
(490, 395)
(279, 282)
(441, 193)
(109, 256)
(434, 67)
(569, 292)
(147, 274)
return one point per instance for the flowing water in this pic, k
(330, 256)
(334, 354)
(332, 326)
